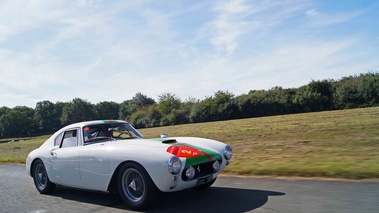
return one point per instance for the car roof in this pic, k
(86, 123)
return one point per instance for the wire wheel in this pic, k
(133, 185)
(40, 176)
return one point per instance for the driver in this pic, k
(105, 133)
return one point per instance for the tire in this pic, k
(41, 179)
(205, 186)
(135, 186)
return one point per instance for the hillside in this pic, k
(341, 144)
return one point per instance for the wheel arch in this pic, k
(32, 166)
(112, 187)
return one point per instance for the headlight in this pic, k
(174, 165)
(216, 166)
(190, 173)
(228, 153)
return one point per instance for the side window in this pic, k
(58, 139)
(70, 139)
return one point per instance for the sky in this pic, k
(100, 50)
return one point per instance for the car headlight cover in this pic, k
(190, 173)
(228, 153)
(174, 165)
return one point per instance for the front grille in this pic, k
(201, 170)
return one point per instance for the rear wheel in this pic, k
(135, 186)
(41, 179)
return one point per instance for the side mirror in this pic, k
(163, 135)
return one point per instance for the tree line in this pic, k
(142, 111)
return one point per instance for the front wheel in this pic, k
(135, 186)
(41, 179)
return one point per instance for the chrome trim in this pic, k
(171, 167)
(190, 172)
(228, 152)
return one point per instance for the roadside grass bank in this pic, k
(331, 144)
(15, 150)
(336, 144)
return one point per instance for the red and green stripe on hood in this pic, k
(193, 154)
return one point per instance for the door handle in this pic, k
(54, 154)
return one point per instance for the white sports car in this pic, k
(112, 156)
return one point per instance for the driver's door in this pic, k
(65, 159)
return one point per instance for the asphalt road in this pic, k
(229, 194)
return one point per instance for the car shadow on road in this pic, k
(214, 199)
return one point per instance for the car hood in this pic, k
(194, 150)
(153, 143)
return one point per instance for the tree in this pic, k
(198, 113)
(139, 119)
(17, 122)
(124, 111)
(45, 117)
(346, 93)
(212, 108)
(127, 108)
(309, 101)
(107, 110)
(3, 110)
(58, 110)
(167, 102)
(349, 92)
(315, 96)
(254, 104)
(78, 110)
(368, 89)
(324, 89)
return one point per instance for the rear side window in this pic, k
(69, 139)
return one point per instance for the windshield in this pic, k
(109, 131)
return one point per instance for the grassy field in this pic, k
(338, 144)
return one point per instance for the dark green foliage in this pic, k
(139, 119)
(107, 110)
(316, 96)
(213, 108)
(4, 110)
(46, 117)
(127, 108)
(17, 122)
(142, 111)
(357, 91)
(78, 110)
(147, 116)
(167, 102)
